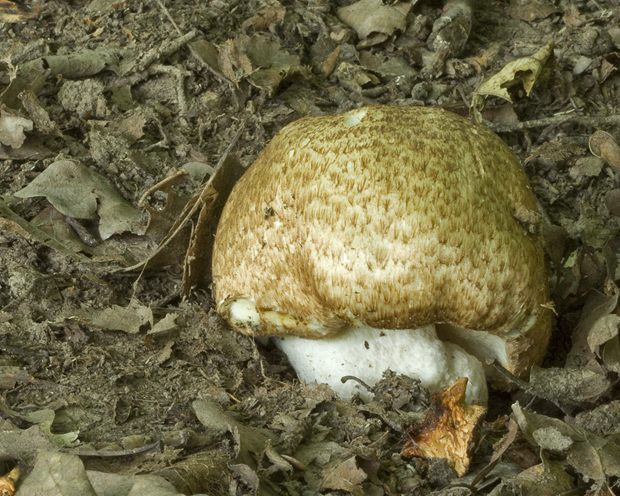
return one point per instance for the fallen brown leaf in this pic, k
(449, 430)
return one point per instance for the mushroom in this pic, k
(387, 238)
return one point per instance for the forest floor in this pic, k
(112, 382)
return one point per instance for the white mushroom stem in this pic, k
(365, 352)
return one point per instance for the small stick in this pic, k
(346, 378)
(192, 50)
(584, 120)
(196, 205)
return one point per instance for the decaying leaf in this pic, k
(206, 471)
(555, 151)
(164, 325)
(519, 74)
(138, 485)
(449, 35)
(603, 330)
(595, 457)
(611, 354)
(23, 444)
(229, 59)
(79, 64)
(38, 114)
(609, 65)
(604, 420)
(346, 476)
(373, 16)
(262, 61)
(57, 473)
(353, 77)
(44, 419)
(206, 202)
(116, 318)
(592, 329)
(78, 192)
(131, 128)
(265, 18)
(249, 441)
(271, 63)
(209, 54)
(530, 10)
(449, 430)
(548, 478)
(11, 375)
(567, 387)
(64, 474)
(12, 127)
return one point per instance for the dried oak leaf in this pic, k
(449, 430)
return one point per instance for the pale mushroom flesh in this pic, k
(387, 219)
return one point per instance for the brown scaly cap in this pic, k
(388, 217)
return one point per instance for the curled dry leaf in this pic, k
(603, 145)
(12, 127)
(521, 73)
(449, 430)
(591, 330)
(79, 64)
(603, 330)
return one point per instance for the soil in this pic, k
(124, 367)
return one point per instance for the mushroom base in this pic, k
(366, 352)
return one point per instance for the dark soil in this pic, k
(112, 91)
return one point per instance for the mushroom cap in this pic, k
(388, 217)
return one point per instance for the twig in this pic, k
(205, 189)
(193, 51)
(346, 378)
(508, 375)
(167, 48)
(179, 76)
(583, 120)
(153, 447)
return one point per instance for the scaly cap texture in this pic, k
(390, 217)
